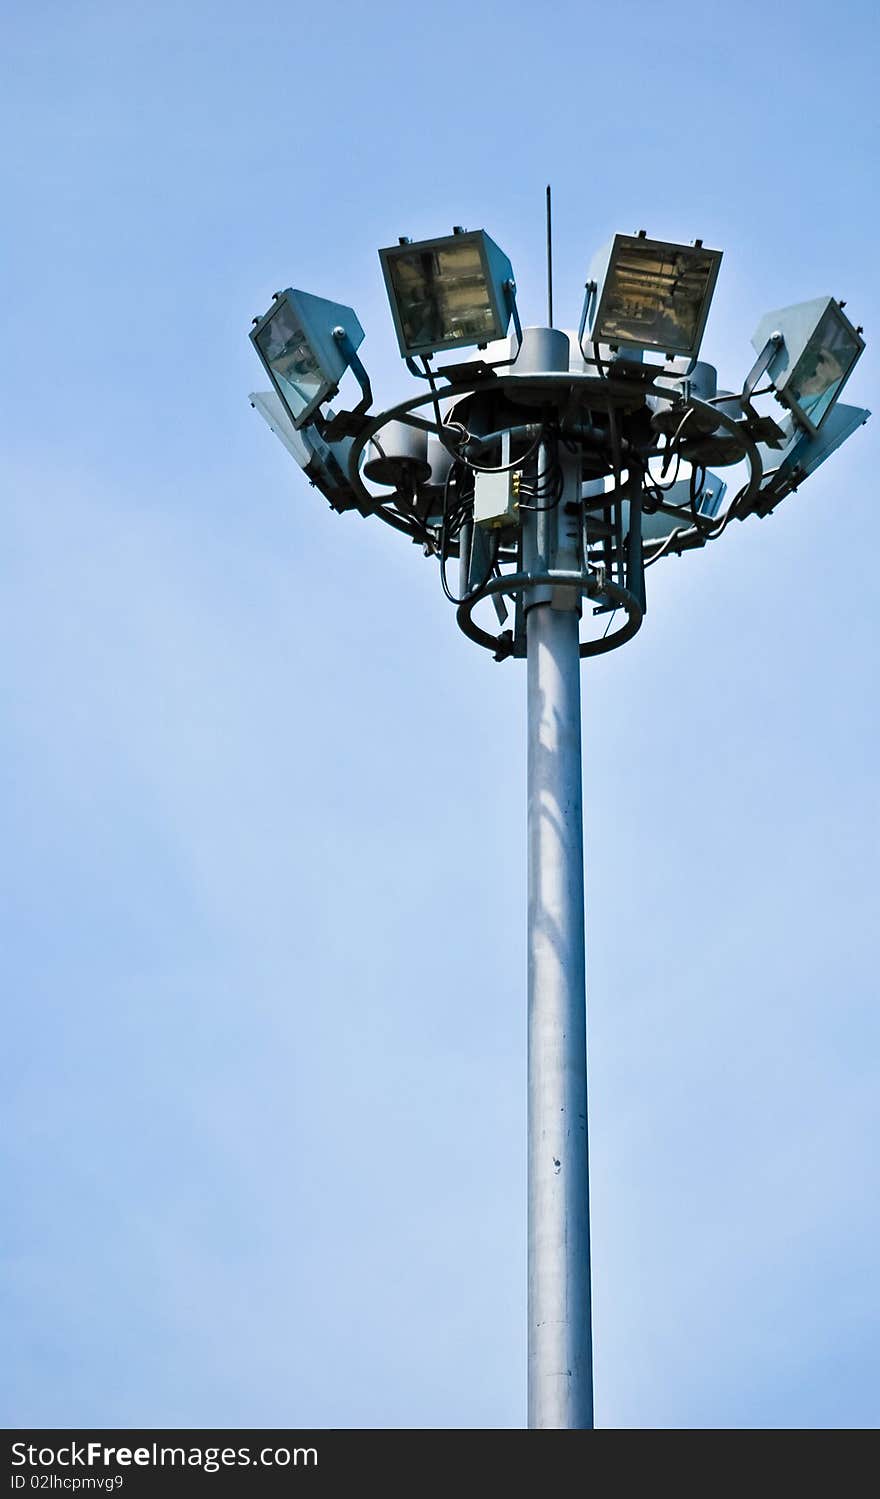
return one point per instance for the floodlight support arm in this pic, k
(349, 423)
(758, 370)
(510, 289)
(590, 290)
(635, 562)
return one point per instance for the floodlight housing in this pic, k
(804, 452)
(448, 293)
(325, 463)
(814, 359)
(305, 345)
(651, 294)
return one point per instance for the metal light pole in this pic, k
(560, 1352)
(560, 1362)
(556, 468)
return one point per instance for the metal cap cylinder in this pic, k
(398, 453)
(702, 382)
(543, 349)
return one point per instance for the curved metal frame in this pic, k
(404, 410)
(585, 583)
(610, 390)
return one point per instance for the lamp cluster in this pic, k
(622, 429)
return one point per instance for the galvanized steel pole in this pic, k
(560, 1353)
(560, 1344)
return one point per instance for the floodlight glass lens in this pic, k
(443, 296)
(289, 356)
(655, 296)
(824, 365)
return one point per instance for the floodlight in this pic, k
(804, 453)
(815, 348)
(325, 463)
(650, 294)
(448, 293)
(306, 344)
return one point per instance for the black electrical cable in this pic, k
(668, 455)
(443, 554)
(548, 483)
(442, 424)
(681, 426)
(558, 491)
(705, 533)
(445, 585)
(545, 483)
(504, 468)
(661, 551)
(445, 535)
(650, 486)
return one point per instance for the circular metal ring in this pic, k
(756, 467)
(544, 380)
(690, 535)
(585, 583)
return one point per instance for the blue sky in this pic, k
(264, 888)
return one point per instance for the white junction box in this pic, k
(496, 498)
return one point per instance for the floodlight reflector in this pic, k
(448, 293)
(813, 362)
(803, 453)
(305, 344)
(325, 463)
(652, 294)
